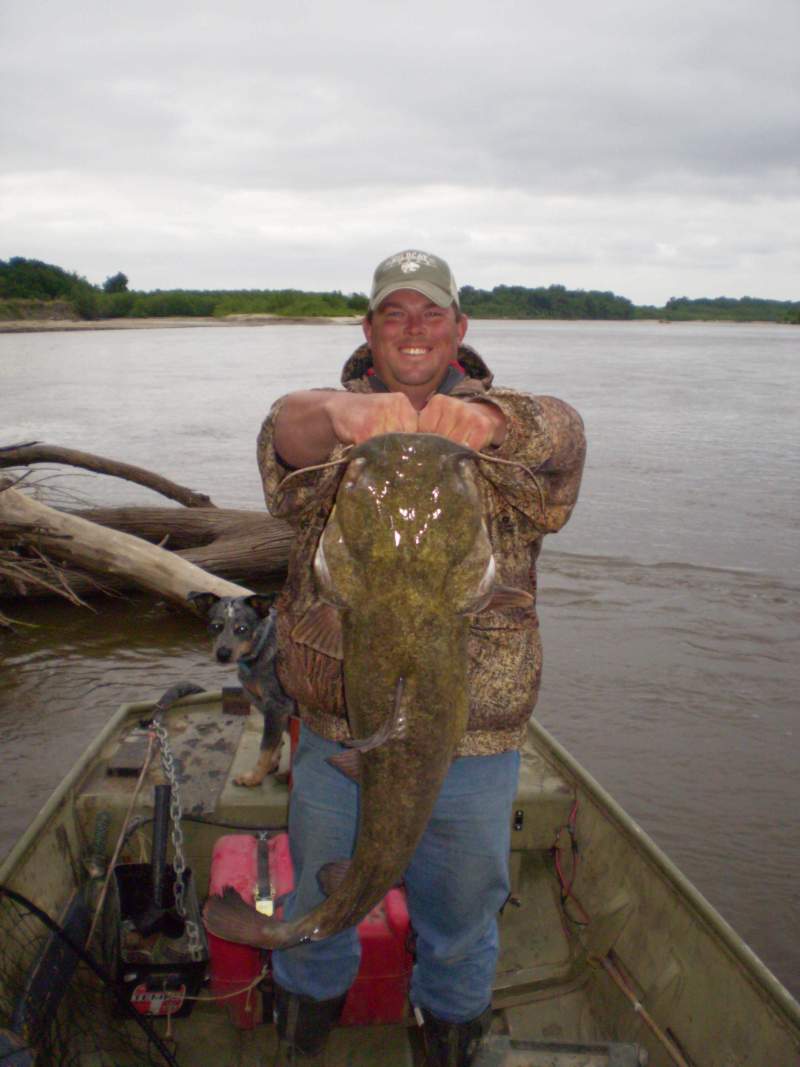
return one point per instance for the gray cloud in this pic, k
(263, 146)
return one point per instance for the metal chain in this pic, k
(176, 815)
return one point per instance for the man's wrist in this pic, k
(495, 413)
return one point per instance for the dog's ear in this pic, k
(259, 603)
(202, 602)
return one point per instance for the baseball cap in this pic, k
(420, 271)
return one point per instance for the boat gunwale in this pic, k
(77, 772)
(753, 968)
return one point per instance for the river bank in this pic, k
(169, 323)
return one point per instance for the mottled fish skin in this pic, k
(404, 557)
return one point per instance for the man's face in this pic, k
(412, 341)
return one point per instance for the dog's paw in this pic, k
(268, 763)
(250, 780)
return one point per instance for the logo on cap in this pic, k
(408, 262)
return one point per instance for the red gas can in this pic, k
(235, 968)
(379, 992)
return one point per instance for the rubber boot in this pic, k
(453, 1044)
(303, 1026)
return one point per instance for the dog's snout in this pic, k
(224, 655)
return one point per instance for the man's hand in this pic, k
(355, 417)
(473, 425)
(310, 423)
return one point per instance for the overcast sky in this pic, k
(649, 147)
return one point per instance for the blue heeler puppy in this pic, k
(243, 630)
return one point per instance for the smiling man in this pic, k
(413, 338)
(414, 374)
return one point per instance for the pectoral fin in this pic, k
(506, 597)
(502, 598)
(321, 629)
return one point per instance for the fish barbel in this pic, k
(403, 561)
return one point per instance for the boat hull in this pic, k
(620, 952)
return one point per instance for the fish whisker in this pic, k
(316, 467)
(521, 466)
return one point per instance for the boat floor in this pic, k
(541, 1009)
(542, 1012)
(538, 1034)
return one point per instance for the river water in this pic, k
(669, 603)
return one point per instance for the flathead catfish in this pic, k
(402, 563)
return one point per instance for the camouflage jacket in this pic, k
(505, 656)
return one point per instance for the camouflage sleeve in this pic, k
(291, 494)
(546, 436)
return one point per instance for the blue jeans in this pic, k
(456, 882)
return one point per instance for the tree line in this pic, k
(726, 309)
(553, 302)
(25, 283)
(30, 288)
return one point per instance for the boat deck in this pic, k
(539, 987)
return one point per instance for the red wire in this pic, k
(566, 886)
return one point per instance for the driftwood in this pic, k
(247, 545)
(110, 552)
(254, 549)
(185, 527)
(166, 550)
(23, 455)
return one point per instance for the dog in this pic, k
(243, 632)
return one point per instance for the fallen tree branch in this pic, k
(191, 527)
(35, 452)
(109, 552)
(242, 546)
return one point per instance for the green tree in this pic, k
(117, 283)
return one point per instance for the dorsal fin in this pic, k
(331, 875)
(393, 725)
(348, 762)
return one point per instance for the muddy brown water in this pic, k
(669, 604)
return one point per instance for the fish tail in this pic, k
(231, 919)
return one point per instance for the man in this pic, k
(414, 374)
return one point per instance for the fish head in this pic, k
(408, 510)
